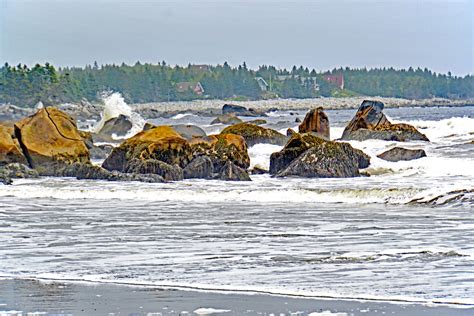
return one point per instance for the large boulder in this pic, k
(254, 134)
(50, 137)
(316, 121)
(240, 110)
(227, 119)
(161, 143)
(399, 153)
(370, 123)
(307, 155)
(10, 150)
(189, 132)
(118, 126)
(222, 148)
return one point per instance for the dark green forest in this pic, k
(139, 83)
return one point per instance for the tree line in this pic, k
(141, 83)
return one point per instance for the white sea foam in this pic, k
(210, 310)
(260, 154)
(181, 115)
(327, 313)
(114, 106)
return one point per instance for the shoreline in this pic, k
(102, 298)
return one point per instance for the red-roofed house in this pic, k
(187, 86)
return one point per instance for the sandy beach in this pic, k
(30, 296)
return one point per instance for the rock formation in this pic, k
(370, 123)
(399, 153)
(307, 155)
(316, 121)
(254, 134)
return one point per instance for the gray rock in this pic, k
(153, 166)
(398, 153)
(231, 172)
(14, 171)
(227, 119)
(189, 131)
(200, 167)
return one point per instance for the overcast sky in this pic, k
(320, 34)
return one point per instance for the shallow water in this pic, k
(403, 233)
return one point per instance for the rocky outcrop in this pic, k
(240, 110)
(227, 119)
(95, 152)
(161, 143)
(50, 137)
(118, 126)
(399, 153)
(232, 172)
(290, 132)
(370, 123)
(189, 132)
(307, 155)
(316, 121)
(14, 171)
(254, 134)
(200, 167)
(222, 148)
(87, 171)
(10, 150)
(153, 166)
(257, 122)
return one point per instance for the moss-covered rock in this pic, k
(307, 155)
(222, 148)
(161, 143)
(254, 134)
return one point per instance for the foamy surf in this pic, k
(114, 106)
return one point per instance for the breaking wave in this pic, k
(114, 106)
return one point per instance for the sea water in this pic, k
(404, 233)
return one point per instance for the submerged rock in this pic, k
(227, 119)
(307, 155)
(254, 134)
(398, 153)
(370, 123)
(257, 122)
(49, 137)
(316, 121)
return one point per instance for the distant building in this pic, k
(262, 83)
(336, 79)
(195, 87)
(200, 68)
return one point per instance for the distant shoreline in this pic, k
(299, 104)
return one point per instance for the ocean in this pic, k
(403, 234)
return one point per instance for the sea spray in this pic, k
(114, 106)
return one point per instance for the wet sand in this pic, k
(111, 299)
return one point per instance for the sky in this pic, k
(320, 34)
